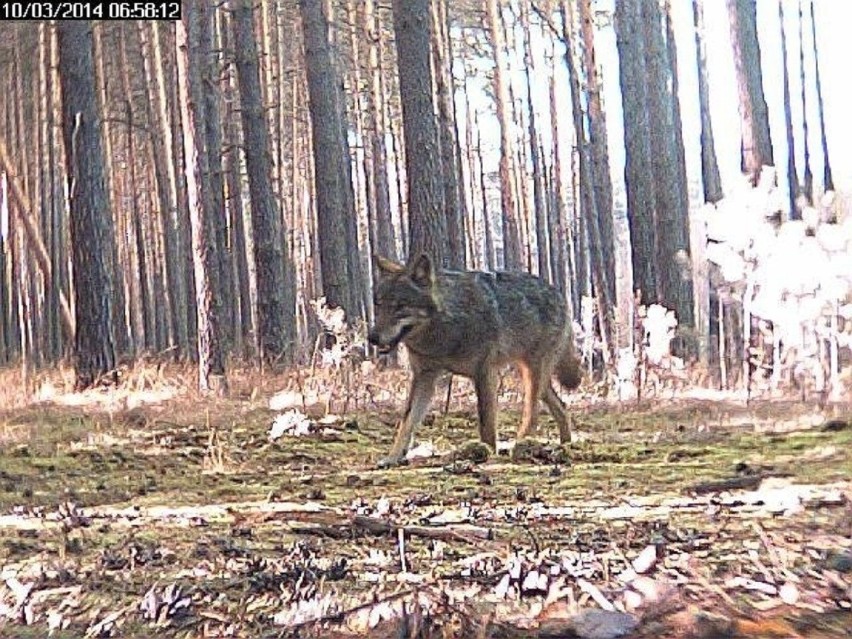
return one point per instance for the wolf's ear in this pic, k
(422, 271)
(385, 266)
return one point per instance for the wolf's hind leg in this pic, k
(419, 398)
(531, 377)
(485, 382)
(559, 412)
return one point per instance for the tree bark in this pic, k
(668, 165)
(333, 203)
(710, 178)
(385, 243)
(211, 365)
(792, 173)
(827, 178)
(754, 114)
(454, 201)
(542, 235)
(808, 186)
(243, 329)
(426, 213)
(94, 351)
(176, 257)
(639, 181)
(275, 301)
(213, 179)
(119, 277)
(598, 146)
(503, 107)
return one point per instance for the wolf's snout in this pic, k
(373, 337)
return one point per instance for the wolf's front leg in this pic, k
(485, 382)
(419, 398)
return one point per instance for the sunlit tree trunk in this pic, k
(558, 235)
(591, 236)
(598, 149)
(711, 180)
(792, 173)
(211, 365)
(827, 178)
(540, 207)
(213, 179)
(754, 114)
(164, 148)
(808, 185)
(157, 160)
(503, 106)
(141, 305)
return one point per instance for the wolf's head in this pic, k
(404, 300)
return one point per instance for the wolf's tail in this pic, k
(569, 369)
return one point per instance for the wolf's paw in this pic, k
(391, 461)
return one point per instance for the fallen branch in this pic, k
(732, 483)
(459, 532)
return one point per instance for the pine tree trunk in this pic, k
(589, 234)
(668, 165)
(164, 150)
(426, 213)
(94, 352)
(121, 323)
(143, 305)
(490, 255)
(454, 202)
(211, 365)
(558, 235)
(792, 173)
(540, 208)
(213, 178)
(710, 177)
(639, 180)
(598, 147)
(157, 163)
(503, 106)
(385, 243)
(58, 245)
(355, 278)
(754, 114)
(827, 178)
(330, 184)
(243, 318)
(808, 186)
(275, 301)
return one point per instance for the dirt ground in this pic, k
(152, 511)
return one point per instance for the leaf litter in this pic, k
(660, 523)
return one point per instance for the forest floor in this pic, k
(148, 510)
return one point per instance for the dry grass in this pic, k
(208, 482)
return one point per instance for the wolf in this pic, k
(471, 323)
